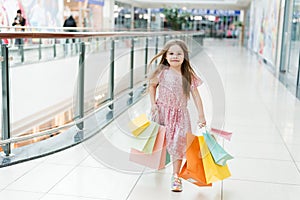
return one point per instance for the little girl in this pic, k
(174, 80)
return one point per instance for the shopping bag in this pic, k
(148, 148)
(155, 160)
(192, 176)
(219, 155)
(226, 135)
(193, 170)
(213, 171)
(168, 158)
(145, 141)
(139, 124)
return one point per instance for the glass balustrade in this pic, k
(61, 93)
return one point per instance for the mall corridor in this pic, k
(262, 113)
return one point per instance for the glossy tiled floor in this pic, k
(262, 113)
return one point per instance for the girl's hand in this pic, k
(201, 123)
(154, 108)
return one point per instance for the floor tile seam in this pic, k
(257, 142)
(42, 193)
(110, 169)
(92, 167)
(19, 177)
(64, 164)
(69, 195)
(222, 190)
(265, 159)
(257, 181)
(135, 184)
(79, 160)
(63, 177)
(105, 166)
(164, 173)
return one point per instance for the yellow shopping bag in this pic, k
(139, 124)
(213, 171)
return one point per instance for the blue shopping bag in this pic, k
(219, 155)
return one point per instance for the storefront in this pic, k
(290, 54)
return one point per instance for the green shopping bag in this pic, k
(159, 156)
(219, 155)
(144, 142)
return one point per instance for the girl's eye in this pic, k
(177, 54)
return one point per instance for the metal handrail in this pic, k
(47, 28)
(10, 35)
(70, 124)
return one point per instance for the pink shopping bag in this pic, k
(155, 160)
(226, 135)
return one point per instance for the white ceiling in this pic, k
(203, 4)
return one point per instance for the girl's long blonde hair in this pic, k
(186, 69)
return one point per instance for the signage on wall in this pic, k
(95, 2)
(216, 12)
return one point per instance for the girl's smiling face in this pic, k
(175, 56)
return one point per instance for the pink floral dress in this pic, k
(173, 112)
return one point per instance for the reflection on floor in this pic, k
(263, 115)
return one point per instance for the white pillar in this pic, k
(132, 17)
(97, 17)
(149, 19)
(108, 15)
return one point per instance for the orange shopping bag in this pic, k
(155, 160)
(193, 170)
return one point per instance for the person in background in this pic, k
(70, 22)
(19, 21)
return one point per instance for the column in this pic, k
(108, 15)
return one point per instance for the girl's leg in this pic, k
(176, 181)
(176, 166)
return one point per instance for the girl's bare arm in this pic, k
(199, 105)
(152, 90)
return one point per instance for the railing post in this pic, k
(5, 100)
(80, 96)
(156, 45)
(146, 56)
(40, 48)
(131, 69)
(156, 48)
(112, 73)
(298, 80)
(54, 49)
(22, 52)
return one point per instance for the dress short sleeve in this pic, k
(196, 81)
(157, 78)
(160, 75)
